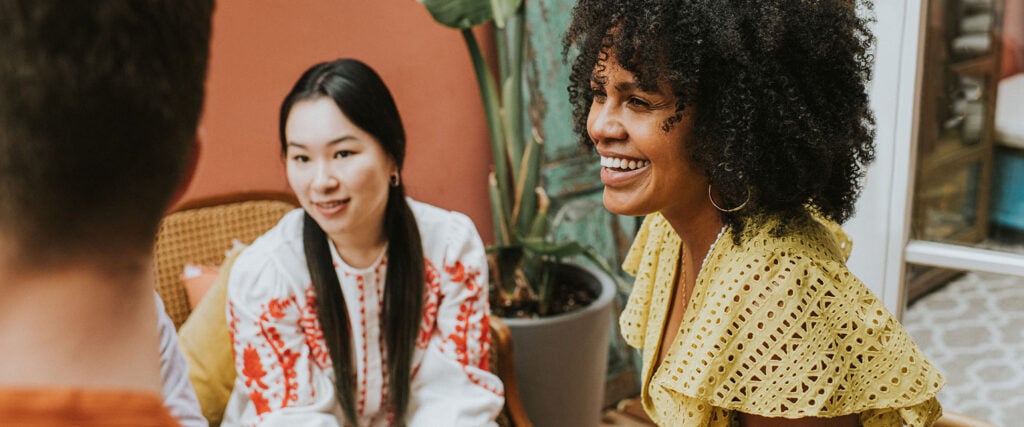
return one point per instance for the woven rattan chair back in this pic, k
(201, 232)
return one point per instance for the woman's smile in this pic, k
(331, 208)
(616, 171)
(644, 163)
(338, 171)
(622, 163)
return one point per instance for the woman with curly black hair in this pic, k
(741, 129)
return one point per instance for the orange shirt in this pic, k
(81, 407)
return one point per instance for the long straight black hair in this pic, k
(361, 96)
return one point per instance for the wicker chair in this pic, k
(200, 232)
(500, 363)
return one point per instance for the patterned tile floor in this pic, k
(973, 330)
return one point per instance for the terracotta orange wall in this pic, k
(260, 48)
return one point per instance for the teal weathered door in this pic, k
(571, 171)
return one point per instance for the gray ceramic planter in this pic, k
(561, 361)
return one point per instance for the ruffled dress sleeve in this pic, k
(779, 327)
(652, 255)
(452, 386)
(284, 374)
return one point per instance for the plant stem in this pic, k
(501, 231)
(489, 96)
(510, 43)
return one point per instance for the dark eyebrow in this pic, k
(336, 141)
(621, 86)
(627, 86)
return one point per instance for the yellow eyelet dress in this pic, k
(776, 327)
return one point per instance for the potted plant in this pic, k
(559, 312)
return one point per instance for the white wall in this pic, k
(879, 227)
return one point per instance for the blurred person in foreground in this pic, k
(99, 103)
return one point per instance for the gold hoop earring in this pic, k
(395, 180)
(730, 210)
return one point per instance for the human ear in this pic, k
(191, 161)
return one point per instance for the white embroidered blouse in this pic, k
(285, 375)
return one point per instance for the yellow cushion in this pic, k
(206, 344)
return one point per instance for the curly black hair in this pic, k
(779, 87)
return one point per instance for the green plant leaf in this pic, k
(567, 249)
(460, 14)
(519, 206)
(538, 229)
(502, 235)
(504, 9)
(490, 97)
(572, 211)
(529, 181)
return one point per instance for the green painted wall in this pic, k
(571, 172)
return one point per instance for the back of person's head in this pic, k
(99, 103)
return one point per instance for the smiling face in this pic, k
(339, 173)
(645, 169)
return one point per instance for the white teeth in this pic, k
(616, 163)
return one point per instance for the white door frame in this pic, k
(880, 225)
(880, 228)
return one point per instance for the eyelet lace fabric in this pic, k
(776, 327)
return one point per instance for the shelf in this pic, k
(975, 66)
(940, 162)
(956, 127)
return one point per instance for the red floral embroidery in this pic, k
(459, 273)
(431, 301)
(310, 324)
(463, 320)
(480, 383)
(253, 368)
(259, 402)
(361, 286)
(485, 343)
(286, 358)
(232, 321)
(253, 372)
(276, 307)
(459, 336)
(471, 324)
(380, 272)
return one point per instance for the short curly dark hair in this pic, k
(779, 88)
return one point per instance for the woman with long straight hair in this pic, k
(363, 307)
